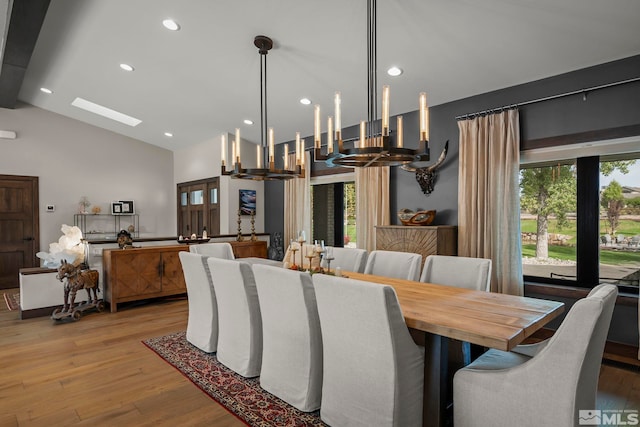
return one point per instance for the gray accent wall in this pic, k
(603, 109)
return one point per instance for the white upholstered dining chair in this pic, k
(399, 265)
(216, 249)
(202, 323)
(348, 259)
(239, 318)
(291, 338)
(462, 272)
(373, 371)
(545, 384)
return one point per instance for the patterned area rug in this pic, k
(12, 301)
(243, 397)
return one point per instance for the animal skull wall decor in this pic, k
(426, 176)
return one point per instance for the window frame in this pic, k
(587, 159)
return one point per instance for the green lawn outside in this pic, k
(627, 228)
(350, 231)
(558, 252)
(607, 256)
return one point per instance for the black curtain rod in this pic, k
(548, 98)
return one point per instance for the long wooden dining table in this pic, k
(436, 313)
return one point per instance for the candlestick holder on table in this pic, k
(293, 250)
(310, 256)
(253, 226)
(239, 237)
(328, 256)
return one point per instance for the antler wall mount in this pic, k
(426, 176)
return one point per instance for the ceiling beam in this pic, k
(5, 15)
(23, 30)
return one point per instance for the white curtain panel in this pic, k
(372, 204)
(489, 196)
(297, 202)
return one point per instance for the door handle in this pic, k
(27, 239)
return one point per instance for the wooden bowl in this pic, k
(409, 217)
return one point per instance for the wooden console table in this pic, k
(140, 273)
(423, 240)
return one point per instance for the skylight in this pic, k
(105, 112)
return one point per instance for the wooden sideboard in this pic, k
(140, 273)
(248, 248)
(423, 240)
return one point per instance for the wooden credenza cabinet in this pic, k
(141, 273)
(248, 248)
(423, 240)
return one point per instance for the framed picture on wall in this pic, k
(116, 208)
(127, 207)
(247, 202)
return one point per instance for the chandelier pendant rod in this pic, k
(264, 124)
(372, 80)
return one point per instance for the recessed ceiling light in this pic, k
(394, 71)
(170, 24)
(105, 112)
(169, 134)
(248, 122)
(45, 90)
(126, 67)
(305, 101)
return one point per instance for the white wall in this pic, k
(202, 161)
(73, 159)
(199, 161)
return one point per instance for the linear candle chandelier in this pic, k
(265, 160)
(374, 147)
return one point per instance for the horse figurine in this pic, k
(77, 279)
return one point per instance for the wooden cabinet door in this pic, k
(136, 274)
(172, 276)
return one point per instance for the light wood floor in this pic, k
(97, 372)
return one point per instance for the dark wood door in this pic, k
(198, 207)
(19, 227)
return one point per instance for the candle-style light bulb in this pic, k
(338, 123)
(223, 149)
(271, 147)
(234, 159)
(258, 156)
(424, 118)
(238, 144)
(316, 127)
(286, 156)
(297, 148)
(330, 135)
(385, 110)
(363, 134)
(302, 152)
(400, 131)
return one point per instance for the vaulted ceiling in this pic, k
(203, 80)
